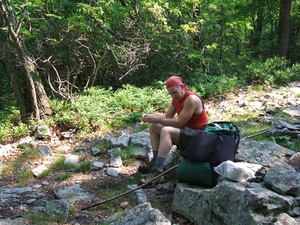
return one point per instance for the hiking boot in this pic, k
(144, 169)
(153, 173)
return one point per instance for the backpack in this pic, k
(215, 143)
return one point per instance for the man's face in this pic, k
(176, 92)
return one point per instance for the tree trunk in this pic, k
(284, 27)
(29, 90)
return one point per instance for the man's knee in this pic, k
(170, 131)
(155, 127)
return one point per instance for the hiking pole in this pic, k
(129, 191)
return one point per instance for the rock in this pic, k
(45, 151)
(283, 180)
(284, 219)
(283, 128)
(25, 141)
(59, 207)
(97, 165)
(74, 193)
(138, 196)
(122, 141)
(62, 148)
(295, 161)
(263, 153)
(95, 151)
(293, 111)
(229, 203)
(39, 170)
(142, 214)
(141, 146)
(42, 132)
(72, 159)
(114, 172)
(18, 221)
(245, 203)
(115, 158)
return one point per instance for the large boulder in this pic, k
(263, 152)
(275, 200)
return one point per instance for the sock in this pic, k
(160, 162)
(155, 153)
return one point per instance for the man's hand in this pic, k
(151, 118)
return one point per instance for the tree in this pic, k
(20, 67)
(284, 27)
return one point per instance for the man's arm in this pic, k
(190, 106)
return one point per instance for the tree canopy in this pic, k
(78, 44)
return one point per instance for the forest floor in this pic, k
(104, 186)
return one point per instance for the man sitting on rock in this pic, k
(165, 130)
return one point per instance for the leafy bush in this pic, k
(217, 87)
(273, 71)
(98, 108)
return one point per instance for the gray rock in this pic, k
(293, 111)
(95, 151)
(122, 141)
(263, 153)
(97, 165)
(283, 128)
(42, 132)
(72, 159)
(114, 172)
(39, 170)
(115, 158)
(141, 145)
(229, 203)
(295, 161)
(143, 214)
(45, 151)
(283, 180)
(138, 196)
(58, 207)
(284, 219)
(18, 221)
(74, 193)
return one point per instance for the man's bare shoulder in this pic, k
(193, 98)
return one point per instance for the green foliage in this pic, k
(63, 176)
(42, 218)
(286, 141)
(217, 87)
(61, 165)
(98, 108)
(14, 165)
(84, 167)
(24, 177)
(273, 71)
(126, 155)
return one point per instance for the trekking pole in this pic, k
(129, 191)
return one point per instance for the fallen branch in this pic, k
(253, 135)
(127, 192)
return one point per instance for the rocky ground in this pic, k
(13, 205)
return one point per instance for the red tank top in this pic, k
(197, 121)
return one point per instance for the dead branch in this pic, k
(130, 191)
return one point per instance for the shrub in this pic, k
(217, 87)
(273, 71)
